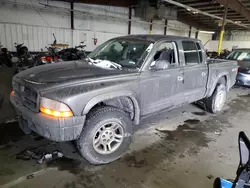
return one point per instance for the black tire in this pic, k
(210, 101)
(95, 120)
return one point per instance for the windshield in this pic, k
(128, 53)
(239, 55)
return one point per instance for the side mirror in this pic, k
(244, 148)
(160, 65)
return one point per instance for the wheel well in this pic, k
(123, 103)
(223, 80)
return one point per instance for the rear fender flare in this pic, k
(100, 98)
(214, 83)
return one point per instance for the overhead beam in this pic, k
(126, 3)
(202, 12)
(237, 6)
(190, 21)
(207, 8)
(194, 4)
(214, 11)
(229, 14)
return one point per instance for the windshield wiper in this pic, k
(89, 59)
(106, 64)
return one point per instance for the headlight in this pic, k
(54, 108)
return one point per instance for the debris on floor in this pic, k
(11, 120)
(50, 156)
(132, 161)
(200, 113)
(210, 176)
(192, 121)
(29, 154)
(31, 176)
(39, 156)
(217, 133)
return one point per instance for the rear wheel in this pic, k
(106, 136)
(216, 102)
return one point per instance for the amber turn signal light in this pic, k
(12, 92)
(56, 113)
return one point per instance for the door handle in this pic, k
(180, 78)
(203, 74)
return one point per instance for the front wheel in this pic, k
(106, 135)
(216, 102)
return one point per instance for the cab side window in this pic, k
(190, 53)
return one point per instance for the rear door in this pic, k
(195, 71)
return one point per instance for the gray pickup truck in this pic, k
(98, 100)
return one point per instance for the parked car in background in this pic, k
(243, 58)
(98, 100)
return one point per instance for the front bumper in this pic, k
(243, 79)
(56, 129)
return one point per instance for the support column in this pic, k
(190, 31)
(222, 29)
(72, 15)
(72, 22)
(165, 27)
(129, 20)
(197, 34)
(150, 27)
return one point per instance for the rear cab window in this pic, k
(192, 52)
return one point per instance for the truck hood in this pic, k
(65, 71)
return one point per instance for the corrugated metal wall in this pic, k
(31, 23)
(35, 37)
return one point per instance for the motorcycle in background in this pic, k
(242, 179)
(21, 50)
(5, 57)
(76, 53)
(25, 60)
(51, 56)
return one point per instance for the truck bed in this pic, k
(218, 68)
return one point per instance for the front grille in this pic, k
(28, 96)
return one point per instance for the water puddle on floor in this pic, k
(10, 132)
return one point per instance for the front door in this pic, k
(162, 89)
(195, 71)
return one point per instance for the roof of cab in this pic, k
(154, 38)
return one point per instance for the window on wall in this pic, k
(190, 52)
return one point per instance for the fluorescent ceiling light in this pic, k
(208, 32)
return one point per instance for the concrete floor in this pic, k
(186, 147)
